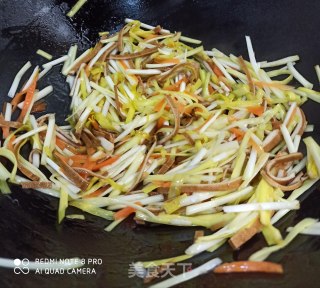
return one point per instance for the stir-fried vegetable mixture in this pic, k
(170, 133)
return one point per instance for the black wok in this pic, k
(28, 227)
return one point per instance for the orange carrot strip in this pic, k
(5, 132)
(158, 106)
(96, 193)
(215, 68)
(28, 99)
(239, 133)
(162, 184)
(256, 110)
(160, 122)
(217, 71)
(249, 266)
(125, 212)
(79, 158)
(95, 124)
(61, 144)
(175, 86)
(210, 89)
(106, 162)
(17, 99)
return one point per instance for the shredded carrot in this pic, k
(61, 144)
(94, 123)
(91, 150)
(17, 99)
(28, 99)
(249, 266)
(125, 212)
(238, 132)
(159, 106)
(156, 156)
(188, 110)
(106, 162)
(176, 86)
(5, 132)
(217, 71)
(124, 64)
(210, 89)
(162, 184)
(256, 110)
(179, 105)
(82, 161)
(215, 68)
(96, 193)
(79, 158)
(160, 122)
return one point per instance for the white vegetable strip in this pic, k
(78, 60)
(8, 112)
(252, 57)
(279, 62)
(44, 54)
(146, 26)
(72, 53)
(287, 138)
(309, 128)
(107, 145)
(317, 67)
(55, 62)
(248, 172)
(296, 142)
(50, 135)
(298, 76)
(265, 252)
(99, 54)
(149, 65)
(292, 205)
(292, 108)
(143, 71)
(293, 196)
(44, 72)
(196, 198)
(212, 119)
(17, 79)
(311, 230)
(223, 70)
(193, 209)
